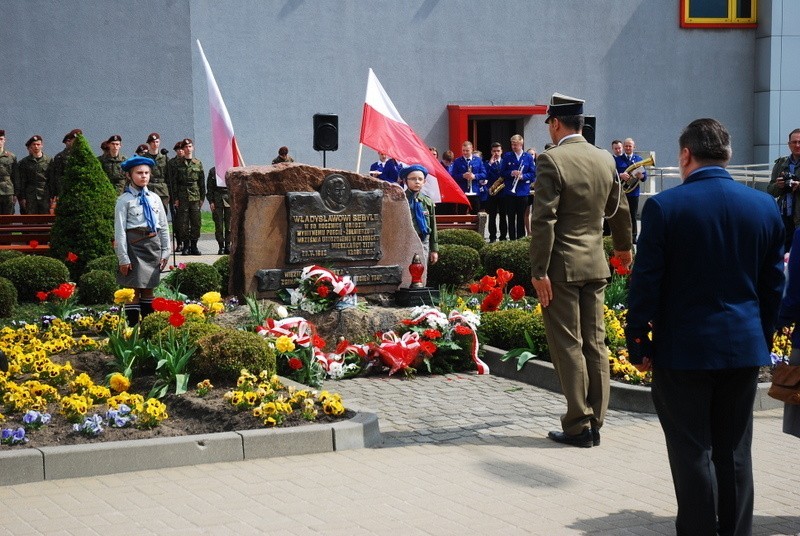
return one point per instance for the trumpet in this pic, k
(633, 181)
(516, 179)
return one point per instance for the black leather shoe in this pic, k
(227, 250)
(583, 440)
(221, 251)
(595, 437)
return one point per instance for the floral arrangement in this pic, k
(319, 289)
(273, 403)
(617, 290)
(495, 298)
(299, 349)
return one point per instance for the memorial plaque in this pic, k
(334, 224)
(364, 276)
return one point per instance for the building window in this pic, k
(718, 13)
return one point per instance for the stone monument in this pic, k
(289, 216)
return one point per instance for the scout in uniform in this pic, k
(423, 212)
(141, 237)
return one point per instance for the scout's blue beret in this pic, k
(562, 105)
(134, 161)
(416, 167)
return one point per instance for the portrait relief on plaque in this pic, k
(335, 192)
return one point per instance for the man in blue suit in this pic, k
(707, 281)
(519, 171)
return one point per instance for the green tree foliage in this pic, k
(85, 212)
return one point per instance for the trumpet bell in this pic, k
(632, 183)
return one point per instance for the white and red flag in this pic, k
(226, 151)
(383, 130)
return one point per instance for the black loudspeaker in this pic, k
(589, 126)
(326, 132)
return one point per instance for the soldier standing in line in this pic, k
(8, 170)
(59, 164)
(158, 176)
(171, 162)
(221, 211)
(190, 190)
(33, 188)
(112, 163)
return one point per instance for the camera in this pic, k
(790, 179)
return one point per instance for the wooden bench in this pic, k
(18, 230)
(472, 222)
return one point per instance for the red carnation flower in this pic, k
(517, 293)
(41, 295)
(461, 329)
(176, 319)
(427, 347)
(431, 333)
(323, 291)
(71, 257)
(295, 364)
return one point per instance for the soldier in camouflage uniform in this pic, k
(189, 190)
(59, 164)
(112, 162)
(221, 211)
(158, 177)
(33, 186)
(8, 170)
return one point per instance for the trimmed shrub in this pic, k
(223, 266)
(96, 286)
(84, 222)
(157, 322)
(462, 237)
(224, 354)
(194, 280)
(33, 273)
(457, 265)
(8, 297)
(8, 254)
(107, 263)
(511, 255)
(506, 329)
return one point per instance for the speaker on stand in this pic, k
(326, 133)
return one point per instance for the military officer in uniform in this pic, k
(112, 163)
(59, 164)
(8, 170)
(221, 211)
(158, 176)
(576, 186)
(33, 187)
(188, 179)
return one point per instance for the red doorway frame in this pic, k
(459, 115)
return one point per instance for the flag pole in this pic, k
(358, 160)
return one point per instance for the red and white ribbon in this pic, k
(457, 317)
(342, 286)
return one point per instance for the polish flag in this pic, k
(383, 130)
(226, 151)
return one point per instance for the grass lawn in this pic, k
(206, 223)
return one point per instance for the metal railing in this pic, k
(663, 178)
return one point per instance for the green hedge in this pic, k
(457, 265)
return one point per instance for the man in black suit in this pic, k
(707, 282)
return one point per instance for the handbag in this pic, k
(786, 384)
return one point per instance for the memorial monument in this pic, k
(294, 215)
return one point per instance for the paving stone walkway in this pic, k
(463, 454)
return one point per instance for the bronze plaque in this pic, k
(334, 224)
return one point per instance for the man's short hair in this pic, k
(616, 142)
(571, 122)
(497, 144)
(792, 133)
(708, 141)
(517, 137)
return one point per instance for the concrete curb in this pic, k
(71, 461)
(623, 396)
